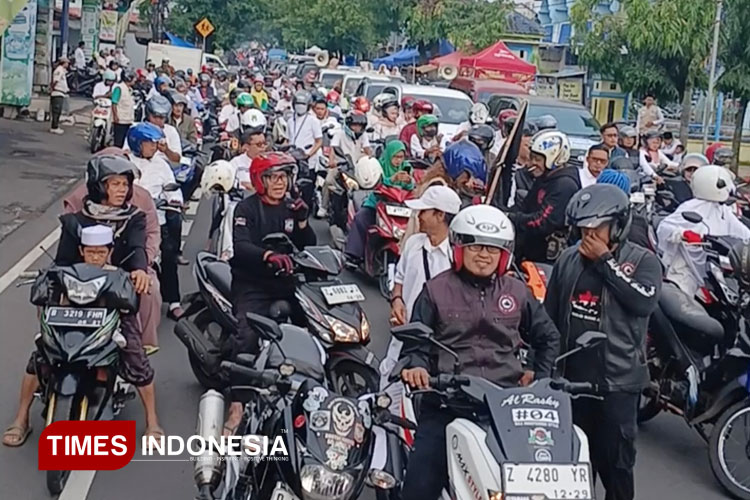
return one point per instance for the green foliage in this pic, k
(470, 24)
(734, 51)
(659, 46)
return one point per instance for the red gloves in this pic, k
(281, 263)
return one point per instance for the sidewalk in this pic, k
(80, 108)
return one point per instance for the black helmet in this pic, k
(739, 258)
(234, 94)
(204, 77)
(158, 105)
(180, 74)
(356, 118)
(529, 129)
(594, 205)
(317, 97)
(483, 136)
(508, 125)
(178, 98)
(723, 156)
(101, 167)
(545, 122)
(243, 84)
(622, 163)
(128, 75)
(221, 74)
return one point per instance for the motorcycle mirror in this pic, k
(590, 338)
(278, 242)
(171, 186)
(693, 217)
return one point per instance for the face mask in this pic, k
(430, 133)
(300, 109)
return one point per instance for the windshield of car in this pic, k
(351, 84)
(450, 110)
(375, 88)
(572, 121)
(328, 79)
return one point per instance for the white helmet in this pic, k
(218, 176)
(380, 99)
(367, 172)
(712, 183)
(483, 225)
(253, 118)
(479, 114)
(553, 145)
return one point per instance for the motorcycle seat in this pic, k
(220, 275)
(692, 323)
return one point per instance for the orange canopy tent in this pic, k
(499, 63)
(452, 59)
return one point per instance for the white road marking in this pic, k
(12, 274)
(192, 208)
(78, 485)
(186, 225)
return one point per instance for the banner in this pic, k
(90, 26)
(74, 7)
(17, 64)
(108, 26)
(8, 10)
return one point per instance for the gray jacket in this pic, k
(631, 282)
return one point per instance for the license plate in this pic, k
(73, 316)
(341, 294)
(638, 197)
(552, 482)
(101, 113)
(397, 211)
(281, 493)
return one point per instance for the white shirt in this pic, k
(584, 174)
(648, 168)
(80, 58)
(416, 147)
(152, 93)
(410, 271)
(349, 146)
(283, 105)
(151, 76)
(384, 128)
(670, 148)
(60, 82)
(155, 173)
(226, 112)
(304, 131)
(100, 90)
(241, 164)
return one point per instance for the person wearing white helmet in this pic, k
(253, 144)
(712, 186)
(103, 89)
(680, 186)
(540, 217)
(388, 118)
(481, 313)
(479, 115)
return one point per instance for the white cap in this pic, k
(96, 236)
(440, 198)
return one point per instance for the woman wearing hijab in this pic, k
(396, 173)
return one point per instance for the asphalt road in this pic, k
(672, 460)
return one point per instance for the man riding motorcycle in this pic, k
(540, 217)
(479, 115)
(426, 142)
(481, 313)
(162, 84)
(420, 108)
(244, 103)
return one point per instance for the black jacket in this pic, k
(631, 282)
(254, 220)
(129, 251)
(541, 215)
(484, 321)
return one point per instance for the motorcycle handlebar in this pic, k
(28, 275)
(249, 376)
(444, 382)
(571, 387)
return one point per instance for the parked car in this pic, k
(573, 119)
(328, 76)
(356, 84)
(482, 90)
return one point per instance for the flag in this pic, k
(498, 193)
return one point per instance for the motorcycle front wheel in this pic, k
(61, 408)
(729, 450)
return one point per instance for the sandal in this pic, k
(15, 435)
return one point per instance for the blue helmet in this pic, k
(465, 156)
(143, 132)
(160, 80)
(616, 178)
(158, 105)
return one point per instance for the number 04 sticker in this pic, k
(533, 417)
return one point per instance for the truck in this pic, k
(183, 58)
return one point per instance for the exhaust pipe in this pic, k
(210, 425)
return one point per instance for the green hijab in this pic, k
(391, 150)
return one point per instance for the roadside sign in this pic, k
(204, 27)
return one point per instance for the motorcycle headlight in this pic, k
(319, 483)
(83, 292)
(365, 327)
(398, 233)
(342, 332)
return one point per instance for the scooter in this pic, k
(77, 354)
(332, 309)
(101, 118)
(82, 82)
(513, 443)
(699, 362)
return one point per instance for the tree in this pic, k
(735, 59)
(469, 24)
(659, 46)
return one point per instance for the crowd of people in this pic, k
(456, 270)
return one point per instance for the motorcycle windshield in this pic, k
(338, 432)
(531, 424)
(322, 259)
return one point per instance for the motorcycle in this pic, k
(382, 246)
(330, 438)
(77, 354)
(332, 309)
(82, 81)
(512, 443)
(139, 98)
(345, 199)
(101, 123)
(188, 173)
(699, 362)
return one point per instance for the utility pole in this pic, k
(712, 75)
(64, 29)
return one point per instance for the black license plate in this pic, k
(74, 316)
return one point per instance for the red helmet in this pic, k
(333, 97)
(505, 115)
(140, 73)
(361, 104)
(407, 102)
(423, 106)
(267, 163)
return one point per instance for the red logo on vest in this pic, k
(507, 304)
(87, 445)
